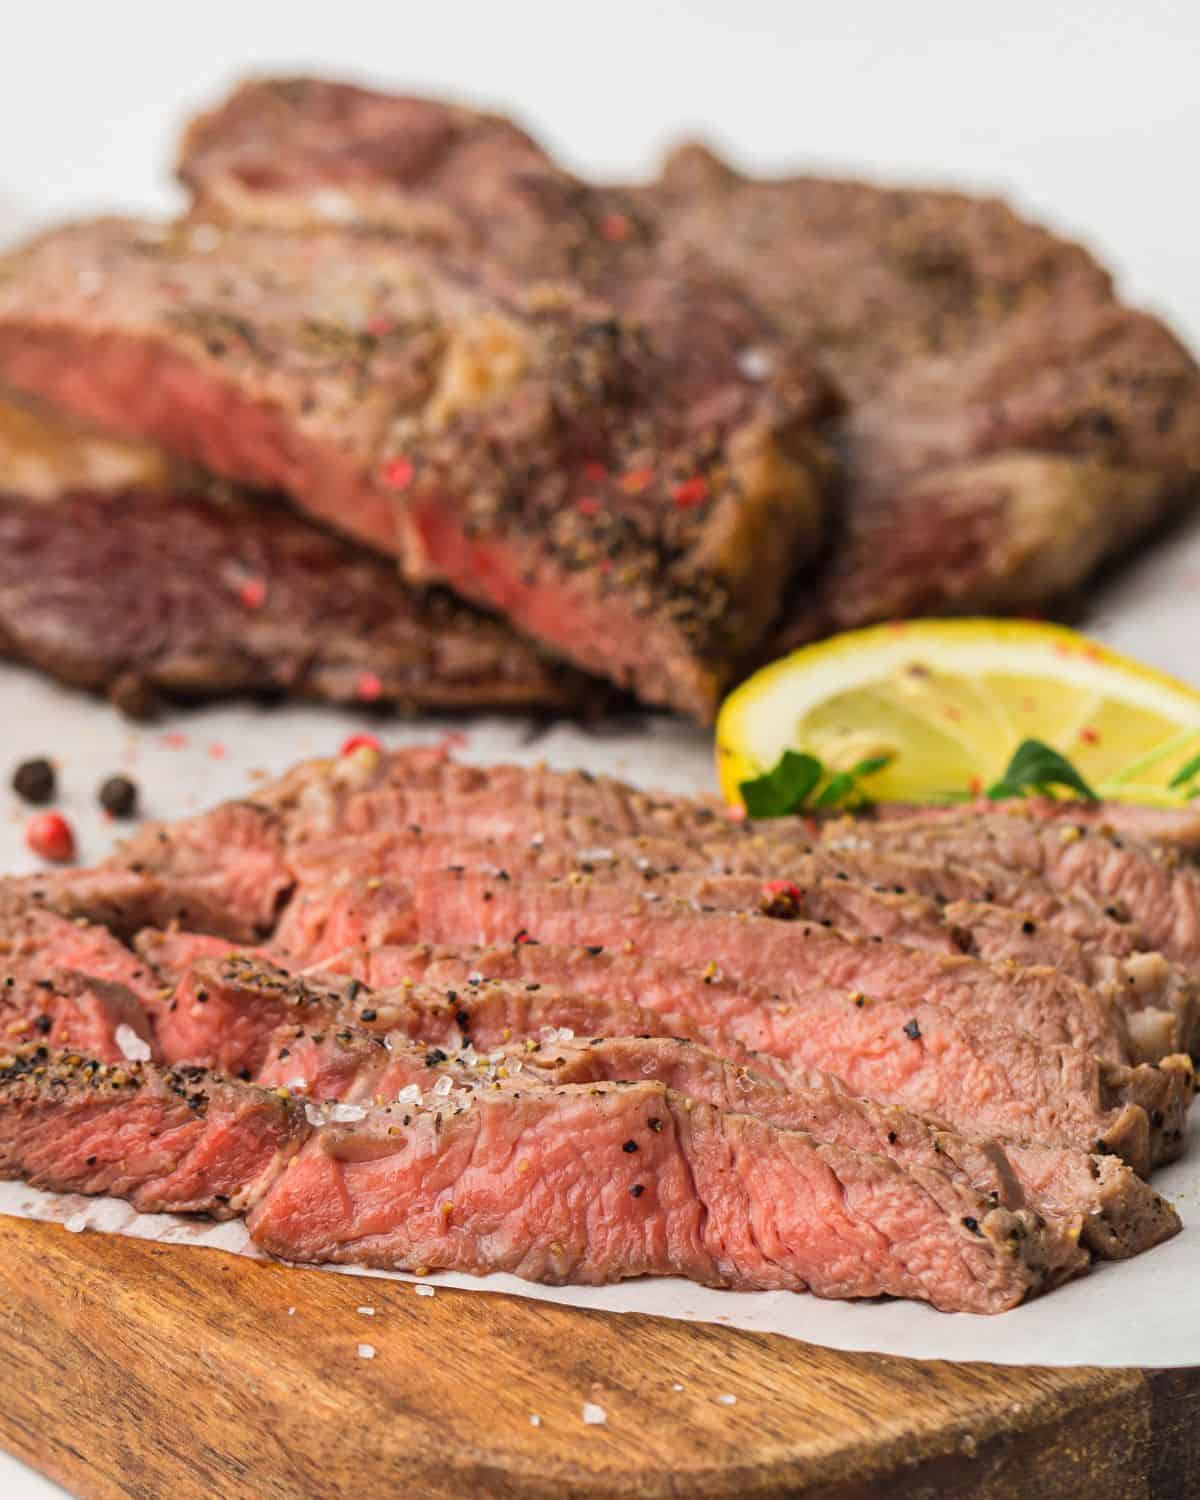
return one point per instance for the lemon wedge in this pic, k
(948, 701)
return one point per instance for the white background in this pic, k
(1086, 112)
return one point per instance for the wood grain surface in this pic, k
(146, 1370)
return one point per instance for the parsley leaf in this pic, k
(783, 790)
(1036, 767)
(1185, 774)
(789, 787)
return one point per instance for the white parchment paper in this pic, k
(1144, 1312)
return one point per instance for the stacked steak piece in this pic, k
(406, 1013)
(664, 430)
(128, 575)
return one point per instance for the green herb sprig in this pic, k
(800, 782)
(1036, 767)
(1185, 781)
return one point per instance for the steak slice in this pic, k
(168, 1140)
(1175, 826)
(71, 985)
(118, 577)
(979, 1074)
(1010, 424)
(363, 1070)
(1149, 887)
(223, 871)
(226, 1013)
(874, 894)
(838, 1222)
(602, 471)
(488, 999)
(291, 153)
(731, 919)
(513, 1181)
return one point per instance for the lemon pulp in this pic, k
(950, 700)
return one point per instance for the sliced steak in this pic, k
(169, 1140)
(1011, 424)
(71, 985)
(1176, 826)
(452, 1000)
(733, 920)
(1147, 886)
(508, 1182)
(118, 577)
(364, 1071)
(226, 1012)
(1033, 1091)
(224, 871)
(605, 473)
(875, 895)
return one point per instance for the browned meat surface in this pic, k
(589, 457)
(119, 576)
(1010, 426)
(1010, 423)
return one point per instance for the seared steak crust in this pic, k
(1011, 424)
(618, 486)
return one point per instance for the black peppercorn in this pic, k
(34, 780)
(118, 796)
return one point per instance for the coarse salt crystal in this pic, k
(313, 1115)
(475, 978)
(534, 1420)
(334, 207)
(132, 1046)
(76, 1224)
(291, 1312)
(204, 237)
(593, 855)
(424, 1291)
(755, 364)
(565, 1034)
(366, 1351)
(443, 1086)
(297, 1085)
(365, 1312)
(344, 1114)
(593, 1415)
(675, 1386)
(727, 1400)
(409, 1094)
(548, 1034)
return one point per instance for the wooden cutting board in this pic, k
(154, 1371)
